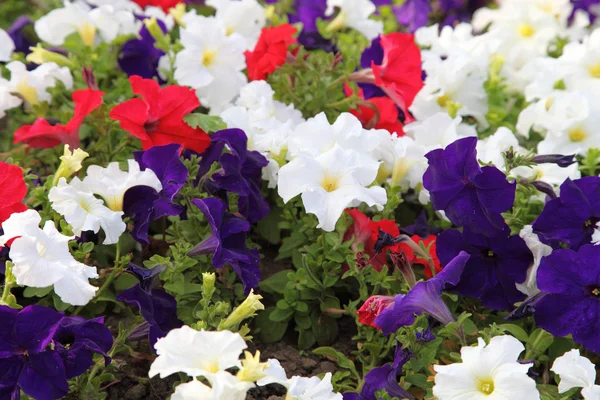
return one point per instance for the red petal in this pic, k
(42, 135)
(132, 115)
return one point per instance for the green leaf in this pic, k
(340, 358)
(301, 307)
(306, 339)
(538, 343)
(208, 123)
(268, 227)
(270, 331)
(279, 315)
(303, 321)
(325, 328)
(516, 331)
(36, 292)
(275, 283)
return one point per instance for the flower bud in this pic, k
(70, 163)
(39, 55)
(245, 310)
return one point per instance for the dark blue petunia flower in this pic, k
(571, 281)
(158, 308)
(240, 172)
(139, 56)
(424, 297)
(143, 203)
(307, 12)
(227, 244)
(470, 195)
(371, 55)
(588, 6)
(571, 218)
(413, 14)
(19, 37)
(496, 264)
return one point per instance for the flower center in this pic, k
(486, 386)
(443, 100)
(330, 183)
(526, 30)
(150, 126)
(87, 32)
(577, 135)
(594, 71)
(208, 58)
(27, 92)
(596, 292)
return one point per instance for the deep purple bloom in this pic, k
(18, 36)
(307, 12)
(558, 159)
(424, 297)
(591, 7)
(143, 203)
(496, 264)
(139, 56)
(26, 362)
(471, 196)
(571, 281)
(76, 341)
(240, 172)
(384, 377)
(421, 227)
(425, 335)
(371, 55)
(413, 14)
(571, 218)
(158, 308)
(227, 244)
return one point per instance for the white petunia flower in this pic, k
(576, 371)
(438, 131)
(103, 23)
(539, 251)
(355, 14)
(583, 62)
(111, 182)
(245, 17)
(41, 258)
(224, 387)
(313, 388)
(193, 390)
(7, 46)
(491, 149)
(7, 100)
(403, 159)
(487, 372)
(211, 62)
(84, 212)
(331, 182)
(197, 353)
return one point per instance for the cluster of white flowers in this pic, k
(213, 355)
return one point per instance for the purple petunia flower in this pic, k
(384, 377)
(424, 297)
(139, 56)
(413, 14)
(591, 7)
(371, 55)
(143, 203)
(240, 172)
(571, 281)
(227, 244)
(158, 308)
(76, 341)
(19, 37)
(571, 218)
(496, 264)
(470, 195)
(307, 12)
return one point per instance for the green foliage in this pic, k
(208, 123)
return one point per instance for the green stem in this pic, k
(9, 283)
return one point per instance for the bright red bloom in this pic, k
(270, 51)
(372, 308)
(12, 190)
(157, 118)
(43, 135)
(400, 73)
(430, 243)
(366, 231)
(164, 4)
(387, 119)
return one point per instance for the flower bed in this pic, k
(299, 199)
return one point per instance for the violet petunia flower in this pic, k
(413, 14)
(590, 7)
(227, 244)
(571, 281)
(143, 203)
(240, 172)
(495, 266)
(76, 341)
(307, 12)
(158, 308)
(371, 55)
(570, 218)
(471, 196)
(19, 37)
(140, 57)
(424, 297)
(26, 360)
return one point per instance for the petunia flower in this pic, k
(270, 52)
(16, 32)
(571, 281)
(308, 12)
(378, 113)
(354, 14)
(42, 258)
(413, 14)
(77, 339)
(227, 244)
(7, 46)
(487, 371)
(158, 308)
(145, 204)
(157, 117)
(496, 264)
(165, 5)
(330, 183)
(372, 308)
(242, 17)
(570, 218)
(313, 388)
(197, 353)
(139, 56)
(28, 364)
(576, 371)
(224, 386)
(424, 297)
(539, 250)
(12, 190)
(43, 135)
(470, 195)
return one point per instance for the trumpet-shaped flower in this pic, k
(197, 353)
(576, 371)
(7, 46)
(313, 388)
(245, 17)
(224, 386)
(489, 371)
(12, 190)
(331, 182)
(354, 14)
(270, 52)
(41, 258)
(539, 251)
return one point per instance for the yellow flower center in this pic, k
(229, 30)
(208, 57)
(596, 292)
(330, 183)
(212, 367)
(577, 135)
(526, 30)
(443, 100)
(486, 386)
(594, 71)
(87, 32)
(27, 92)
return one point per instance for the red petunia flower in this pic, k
(430, 243)
(43, 135)
(164, 4)
(157, 118)
(387, 119)
(400, 73)
(270, 51)
(372, 308)
(12, 190)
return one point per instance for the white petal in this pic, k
(574, 371)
